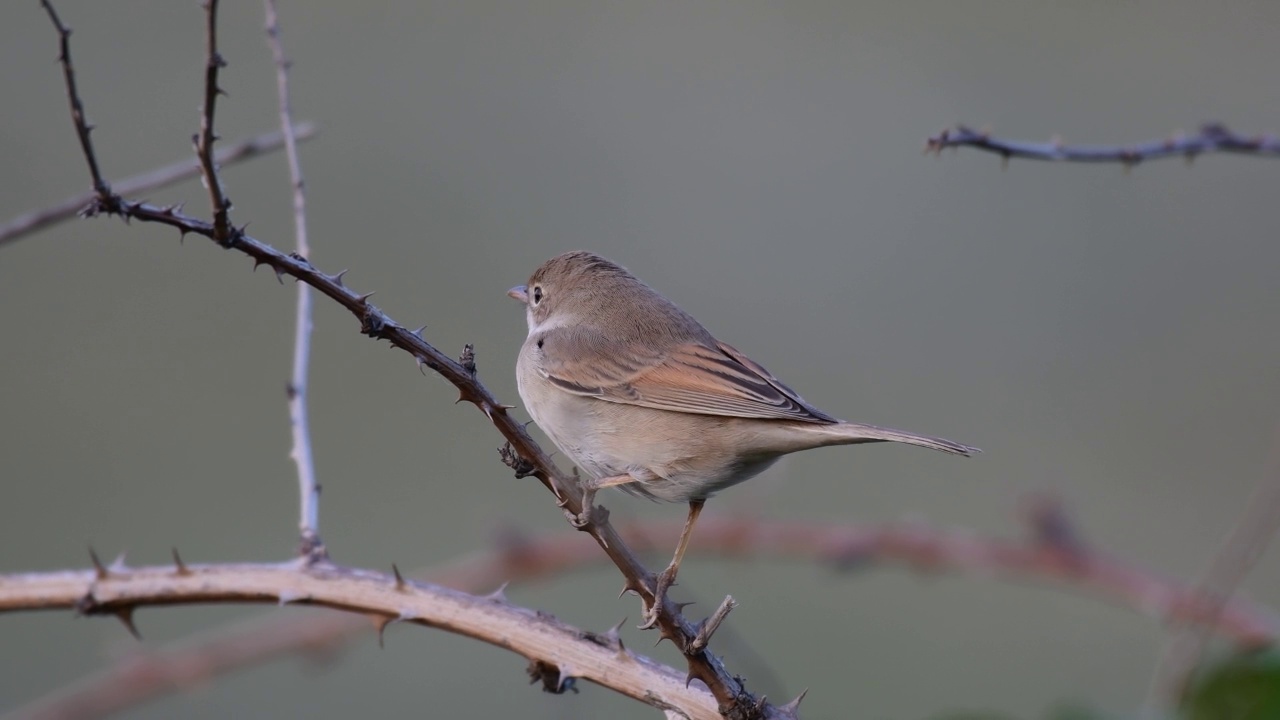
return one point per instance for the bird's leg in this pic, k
(667, 577)
(589, 488)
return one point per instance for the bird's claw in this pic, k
(578, 520)
(665, 580)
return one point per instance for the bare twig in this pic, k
(222, 231)
(30, 222)
(1041, 555)
(731, 695)
(535, 635)
(308, 487)
(711, 624)
(83, 128)
(1212, 138)
(1250, 536)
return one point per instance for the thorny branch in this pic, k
(1051, 551)
(732, 697)
(1211, 138)
(204, 139)
(118, 591)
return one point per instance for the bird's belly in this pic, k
(674, 457)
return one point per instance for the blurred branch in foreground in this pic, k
(1052, 551)
(561, 653)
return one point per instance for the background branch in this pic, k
(1227, 570)
(30, 222)
(308, 486)
(554, 646)
(1211, 138)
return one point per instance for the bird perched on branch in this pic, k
(643, 398)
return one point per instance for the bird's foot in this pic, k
(665, 580)
(591, 513)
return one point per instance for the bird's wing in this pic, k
(693, 377)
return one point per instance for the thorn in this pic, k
(257, 262)
(279, 274)
(98, 567)
(554, 679)
(568, 679)
(400, 583)
(418, 333)
(364, 299)
(794, 705)
(614, 635)
(288, 596)
(499, 595)
(380, 623)
(337, 278)
(180, 568)
(125, 616)
(629, 588)
(118, 566)
(680, 606)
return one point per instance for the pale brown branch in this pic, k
(1211, 138)
(308, 487)
(1050, 552)
(573, 653)
(30, 222)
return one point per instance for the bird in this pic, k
(642, 397)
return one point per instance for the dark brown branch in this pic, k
(1050, 552)
(732, 697)
(204, 139)
(535, 635)
(83, 128)
(31, 222)
(1212, 138)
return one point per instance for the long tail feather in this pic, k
(854, 433)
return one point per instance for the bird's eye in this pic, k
(537, 294)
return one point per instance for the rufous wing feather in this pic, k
(695, 378)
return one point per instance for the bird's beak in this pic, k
(520, 293)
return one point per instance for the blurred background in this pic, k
(1103, 335)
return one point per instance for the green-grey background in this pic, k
(1107, 336)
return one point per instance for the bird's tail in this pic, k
(853, 433)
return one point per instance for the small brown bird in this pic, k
(643, 398)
